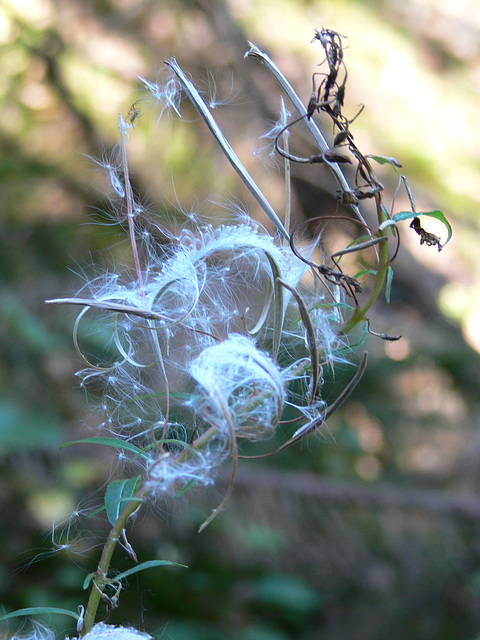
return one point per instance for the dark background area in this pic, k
(370, 530)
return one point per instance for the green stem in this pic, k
(382, 269)
(100, 579)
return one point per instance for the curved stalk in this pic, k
(100, 579)
(382, 269)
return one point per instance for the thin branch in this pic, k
(234, 160)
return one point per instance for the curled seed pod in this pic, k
(240, 384)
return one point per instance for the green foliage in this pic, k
(115, 443)
(118, 494)
(393, 162)
(438, 215)
(36, 611)
(149, 564)
(388, 284)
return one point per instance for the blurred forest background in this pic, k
(371, 530)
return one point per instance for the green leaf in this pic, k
(149, 564)
(359, 343)
(330, 305)
(87, 581)
(438, 215)
(324, 305)
(364, 272)
(34, 611)
(118, 493)
(359, 240)
(186, 488)
(388, 284)
(116, 443)
(386, 160)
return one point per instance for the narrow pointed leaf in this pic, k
(150, 564)
(388, 284)
(35, 611)
(116, 443)
(438, 215)
(364, 272)
(118, 493)
(87, 581)
(186, 488)
(386, 160)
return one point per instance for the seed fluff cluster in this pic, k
(214, 338)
